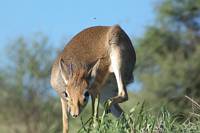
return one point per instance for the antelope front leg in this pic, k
(64, 116)
(95, 108)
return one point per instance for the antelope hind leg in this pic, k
(116, 65)
(109, 90)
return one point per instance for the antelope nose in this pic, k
(74, 115)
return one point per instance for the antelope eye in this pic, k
(65, 94)
(86, 94)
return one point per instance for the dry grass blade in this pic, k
(194, 114)
(194, 102)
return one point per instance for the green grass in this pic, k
(142, 120)
(138, 118)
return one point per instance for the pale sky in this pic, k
(59, 19)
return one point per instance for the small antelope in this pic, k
(97, 62)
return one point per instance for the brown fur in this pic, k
(99, 44)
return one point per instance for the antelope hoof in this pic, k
(119, 99)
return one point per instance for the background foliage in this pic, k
(168, 65)
(167, 68)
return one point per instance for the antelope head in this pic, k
(77, 79)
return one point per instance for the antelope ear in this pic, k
(92, 70)
(66, 71)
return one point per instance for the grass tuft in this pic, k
(142, 120)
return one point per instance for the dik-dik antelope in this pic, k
(98, 61)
